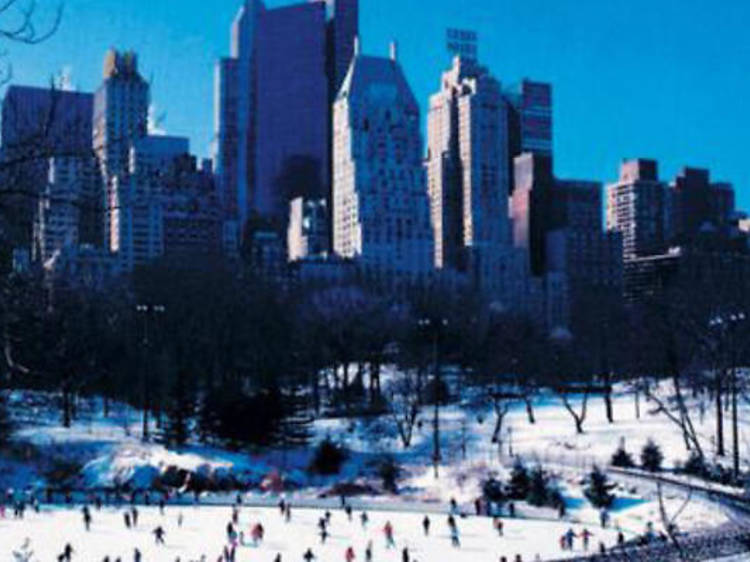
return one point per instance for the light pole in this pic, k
(728, 324)
(436, 325)
(147, 310)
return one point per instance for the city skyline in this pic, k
(646, 93)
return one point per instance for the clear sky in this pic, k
(666, 79)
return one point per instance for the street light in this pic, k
(727, 324)
(147, 310)
(436, 325)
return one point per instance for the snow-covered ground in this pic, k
(204, 532)
(110, 450)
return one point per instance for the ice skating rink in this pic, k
(204, 532)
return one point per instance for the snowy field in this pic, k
(204, 532)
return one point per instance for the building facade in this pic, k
(273, 108)
(638, 208)
(381, 208)
(468, 176)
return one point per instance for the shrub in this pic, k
(328, 458)
(494, 491)
(696, 466)
(599, 489)
(389, 472)
(651, 457)
(538, 494)
(518, 487)
(622, 458)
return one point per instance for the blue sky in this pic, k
(666, 79)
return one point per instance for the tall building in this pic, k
(120, 119)
(38, 125)
(120, 111)
(273, 95)
(291, 154)
(308, 231)
(530, 121)
(559, 223)
(381, 208)
(68, 210)
(696, 202)
(468, 177)
(637, 207)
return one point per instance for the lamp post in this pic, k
(728, 324)
(147, 311)
(436, 326)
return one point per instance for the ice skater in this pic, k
(308, 556)
(388, 532)
(159, 534)
(349, 556)
(426, 525)
(86, 517)
(364, 519)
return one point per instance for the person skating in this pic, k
(364, 519)
(498, 524)
(454, 507)
(323, 534)
(257, 534)
(159, 534)
(586, 536)
(288, 513)
(328, 517)
(134, 516)
(570, 536)
(278, 558)
(603, 518)
(388, 532)
(86, 517)
(67, 554)
(308, 556)
(349, 556)
(426, 526)
(348, 511)
(405, 555)
(455, 540)
(282, 507)
(235, 515)
(137, 555)
(162, 504)
(368, 552)
(478, 507)
(126, 517)
(180, 519)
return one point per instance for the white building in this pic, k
(307, 233)
(469, 181)
(380, 202)
(68, 209)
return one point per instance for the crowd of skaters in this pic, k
(256, 532)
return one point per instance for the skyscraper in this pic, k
(273, 95)
(381, 207)
(637, 207)
(468, 175)
(120, 119)
(291, 154)
(120, 111)
(530, 121)
(696, 202)
(38, 125)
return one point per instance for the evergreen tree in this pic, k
(6, 423)
(622, 458)
(180, 410)
(599, 489)
(538, 494)
(651, 457)
(518, 487)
